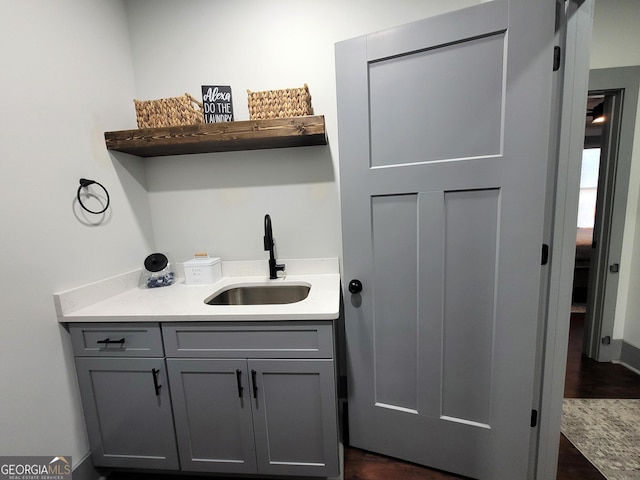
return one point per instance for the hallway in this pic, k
(587, 378)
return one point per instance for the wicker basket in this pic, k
(290, 102)
(168, 112)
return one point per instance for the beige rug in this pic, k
(607, 433)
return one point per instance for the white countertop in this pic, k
(121, 299)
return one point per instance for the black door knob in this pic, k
(355, 286)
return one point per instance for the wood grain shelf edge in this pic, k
(220, 137)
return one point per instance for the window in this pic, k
(588, 187)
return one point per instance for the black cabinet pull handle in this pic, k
(155, 372)
(239, 382)
(255, 385)
(107, 341)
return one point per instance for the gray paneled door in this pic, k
(444, 136)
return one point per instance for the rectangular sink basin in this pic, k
(259, 295)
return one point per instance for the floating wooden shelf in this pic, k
(220, 137)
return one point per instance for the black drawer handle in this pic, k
(107, 341)
(255, 385)
(239, 382)
(155, 372)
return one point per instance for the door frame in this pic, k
(607, 241)
(562, 216)
(603, 289)
(578, 81)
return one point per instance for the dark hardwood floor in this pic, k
(585, 379)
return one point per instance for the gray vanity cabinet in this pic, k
(254, 397)
(245, 397)
(125, 396)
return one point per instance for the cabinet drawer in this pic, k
(249, 340)
(116, 339)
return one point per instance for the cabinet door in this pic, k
(129, 420)
(212, 410)
(294, 416)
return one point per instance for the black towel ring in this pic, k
(84, 183)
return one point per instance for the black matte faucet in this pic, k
(274, 267)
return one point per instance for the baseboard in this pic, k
(616, 348)
(630, 356)
(86, 471)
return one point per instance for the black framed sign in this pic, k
(216, 103)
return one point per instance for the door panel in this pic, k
(395, 249)
(130, 424)
(212, 408)
(471, 232)
(462, 103)
(294, 400)
(444, 134)
(460, 229)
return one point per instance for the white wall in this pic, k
(616, 35)
(216, 202)
(66, 77)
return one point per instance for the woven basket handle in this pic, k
(197, 102)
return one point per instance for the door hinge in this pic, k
(534, 418)
(615, 268)
(342, 386)
(545, 254)
(557, 55)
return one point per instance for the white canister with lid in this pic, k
(202, 270)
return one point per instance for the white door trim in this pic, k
(562, 255)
